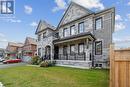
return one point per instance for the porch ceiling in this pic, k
(75, 37)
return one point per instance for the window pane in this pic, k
(81, 27)
(39, 51)
(99, 23)
(44, 35)
(72, 49)
(72, 30)
(98, 48)
(39, 37)
(81, 48)
(66, 32)
(65, 50)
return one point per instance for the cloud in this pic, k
(2, 35)
(28, 9)
(129, 3)
(33, 24)
(60, 5)
(90, 4)
(118, 18)
(119, 26)
(128, 15)
(122, 40)
(13, 20)
(3, 41)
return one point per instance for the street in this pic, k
(10, 65)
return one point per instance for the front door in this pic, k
(48, 52)
(56, 52)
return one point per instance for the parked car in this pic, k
(1, 59)
(12, 61)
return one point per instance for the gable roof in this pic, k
(73, 3)
(31, 40)
(15, 44)
(45, 26)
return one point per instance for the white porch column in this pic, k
(87, 49)
(52, 52)
(41, 48)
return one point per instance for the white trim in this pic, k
(73, 61)
(81, 67)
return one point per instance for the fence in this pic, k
(75, 56)
(119, 67)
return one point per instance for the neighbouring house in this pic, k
(81, 39)
(30, 47)
(12, 49)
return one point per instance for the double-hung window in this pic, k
(81, 48)
(66, 32)
(72, 49)
(98, 23)
(81, 27)
(39, 37)
(65, 50)
(72, 30)
(98, 48)
(44, 35)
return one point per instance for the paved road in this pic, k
(11, 65)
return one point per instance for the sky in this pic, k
(28, 13)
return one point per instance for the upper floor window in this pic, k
(98, 23)
(44, 34)
(39, 37)
(72, 49)
(81, 27)
(56, 34)
(72, 30)
(98, 48)
(81, 48)
(66, 32)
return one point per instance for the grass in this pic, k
(30, 76)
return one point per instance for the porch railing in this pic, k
(75, 56)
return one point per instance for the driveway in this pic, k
(11, 65)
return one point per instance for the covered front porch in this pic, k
(75, 51)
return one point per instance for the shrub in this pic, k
(35, 60)
(47, 63)
(6, 58)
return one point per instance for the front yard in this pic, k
(30, 76)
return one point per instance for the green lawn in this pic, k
(30, 76)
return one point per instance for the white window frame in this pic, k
(98, 23)
(66, 32)
(81, 27)
(72, 30)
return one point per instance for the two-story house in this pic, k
(81, 39)
(30, 47)
(12, 49)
